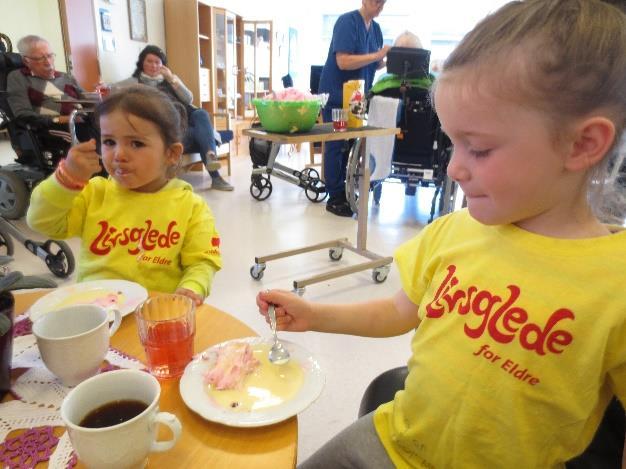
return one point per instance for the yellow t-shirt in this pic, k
(522, 344)
(162, 240)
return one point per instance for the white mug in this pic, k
(73, 341)
(127, 444)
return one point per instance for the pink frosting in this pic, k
(234, 362)
(291, 94)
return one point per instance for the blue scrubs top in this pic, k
(352, 37)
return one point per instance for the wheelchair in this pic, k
(32, 164)
(422, 150)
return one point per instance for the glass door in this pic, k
(204, 40)
(231, 64)
(263, 59)
(249, 58)
(257, 53)
(220, 65)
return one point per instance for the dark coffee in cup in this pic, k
(113, 413)
(117, 443)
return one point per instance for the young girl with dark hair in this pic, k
(142, 223)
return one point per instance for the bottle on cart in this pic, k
(354, 102)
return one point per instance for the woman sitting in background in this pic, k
(200, 137)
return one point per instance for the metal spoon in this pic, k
(278, 354)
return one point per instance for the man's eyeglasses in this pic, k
(49, 56)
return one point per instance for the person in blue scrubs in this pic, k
(356, 52)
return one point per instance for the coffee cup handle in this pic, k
(171, 421)
(116, 321)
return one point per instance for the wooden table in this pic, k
(204, 443)
(324, 133)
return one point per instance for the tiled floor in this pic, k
(287, 220)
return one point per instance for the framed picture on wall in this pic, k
(105, 20)
(137, 19)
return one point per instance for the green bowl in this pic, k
(287, 116)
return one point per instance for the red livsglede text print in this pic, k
(501, 319)
(144, 238)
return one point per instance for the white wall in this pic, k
(120, 64)
(430, 20)
(40, 17)
(426, 18)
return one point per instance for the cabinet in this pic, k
(226, 67)
(256, 79)
(202, 49)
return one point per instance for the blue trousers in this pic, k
(200, 137)
(335, 161)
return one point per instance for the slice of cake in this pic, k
(234, 362)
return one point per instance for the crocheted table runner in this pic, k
(38, 396)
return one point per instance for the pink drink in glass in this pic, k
(340, 126)
(340, 120)
(167, 328)
(169, 347)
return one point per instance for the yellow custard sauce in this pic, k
(97, 296)
(267, 386)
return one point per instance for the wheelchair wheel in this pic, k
(449, 192)
(14, 196)
(60, 261)
(6, 42)
(6, 244)
(354, 172)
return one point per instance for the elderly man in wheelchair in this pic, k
(35, 104)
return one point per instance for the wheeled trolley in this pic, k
(378, 264)
(263, 154)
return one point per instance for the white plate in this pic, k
(194, 392)
(116, 294)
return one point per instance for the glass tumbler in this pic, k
(340, 119)
(167, 327)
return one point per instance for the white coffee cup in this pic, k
(73, 341)
(127, 444)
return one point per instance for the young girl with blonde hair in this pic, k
(518, 301)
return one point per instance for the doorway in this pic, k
(78, 26)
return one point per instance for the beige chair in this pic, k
(193, 161)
